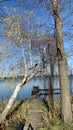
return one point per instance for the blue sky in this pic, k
(42, 17)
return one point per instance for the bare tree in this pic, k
(15, 33)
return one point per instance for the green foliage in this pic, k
(60, 125)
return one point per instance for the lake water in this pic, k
(25, 92)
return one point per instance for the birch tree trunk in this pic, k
(11, 101)
(15, 93)
(65, 96)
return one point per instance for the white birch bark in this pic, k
(15, 93)
(25, 66)
(11, 100)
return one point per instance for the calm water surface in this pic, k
(25, 92)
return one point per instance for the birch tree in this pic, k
(14, 31)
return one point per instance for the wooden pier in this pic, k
(34, 118)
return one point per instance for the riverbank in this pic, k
(19, 77)
(16, 115)
(51, 119)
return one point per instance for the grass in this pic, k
(16, 114)
(51, 120)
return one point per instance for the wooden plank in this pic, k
(49, 89)
(49, 93)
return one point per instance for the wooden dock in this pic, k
(34, 118)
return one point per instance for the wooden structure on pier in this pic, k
(48, 92)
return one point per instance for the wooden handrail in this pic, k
(46, 91)
(49, 89)
(49, 93)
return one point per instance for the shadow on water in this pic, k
(15, 109)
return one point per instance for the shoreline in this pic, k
(38, 76)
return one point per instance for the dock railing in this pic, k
(46, 91)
